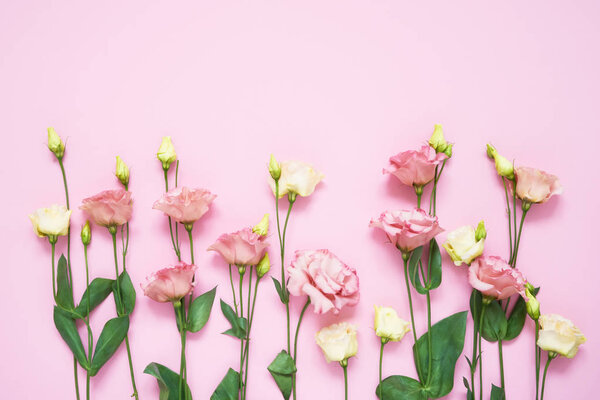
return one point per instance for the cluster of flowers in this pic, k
(320, 276)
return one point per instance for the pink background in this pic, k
(340, 84)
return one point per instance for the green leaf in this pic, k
(284, 297)
(494, 322)
(99, 290)
(110, 339)
(475, 303)
(168, 381)
(127, 300)
(239, 326)
(67, 329)
(435, 266)
(497, 393)
(516, 320)
(282, 370)
(398, 387)
(199, 311)
(64, 297)
(448, 337)
(229, 387)
(413, 270)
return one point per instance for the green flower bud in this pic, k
(166, 152)
(504, 167)
(448, 150)
(480, 232)
(437, 140)
(530, 287)
(274, 168)
(122, 172)
(263, 266)
(55, 144)
(532, 305)
(490, 150)
(262, 228)
(86, 233)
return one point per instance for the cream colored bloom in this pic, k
(388, 325)
(166, 152)
(462, 246)
(297, 178)
(122, 171)
(338, 341)
(55, 144)
(559, 335)
(51, 221)
(262, 228)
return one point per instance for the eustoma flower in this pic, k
(325, 279)
(338, 343)
(240, 248)
(465, 244)
(170, 284)
(109, 208)
(296, 178)
(185, 205)
(415, 167)
(495, 278)
(51, 222)
(536, 186)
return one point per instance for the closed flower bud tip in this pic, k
(262, 228)
(448, 150)
(504, 167)
(86, 233)
(166, 152)
(122, 172)
(480, 232)
(274, 168)
(437, 140)
(532, 305)
(263, 266)
(55, 144)
(490, 150)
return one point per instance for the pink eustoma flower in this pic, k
(185, 205)
(243, 247)
(536, 186)
(109, 208)
(494, 277)
(408, 229)
(171, 283)
(415, 167)
(330, 283)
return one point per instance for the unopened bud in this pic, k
(274, 168)
(55, 144)
(262, 228)
(532, 305)
(480, 232)
(86, 233)
(437, 140)
(166, 152)
(263, 266)
(122, 172)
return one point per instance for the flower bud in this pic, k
(491, 151)
(437, 140)
(480, 232)
(262, 228)
(122, 172)
(263, 266)
(530, 287)
(532, 305)
(55, 144)
(274, 168)
(448, 150)
(166, 152)
(504, 167)
(86, 233)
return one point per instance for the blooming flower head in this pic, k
(462, 245)
(338, 341)
(415, 167)
(51, 221)
(494, 277)
(536, 186)
(297, 178)
(408, 229)
(185, 205)
(559, 335)
(243, 247)
(324, 278)
(171, 283)
(388, 326)
(109, 208)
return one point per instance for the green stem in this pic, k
(247, 347)
(282, 248)
(233, 291)
(510, 240)
(76, 378)
(419, 199)
(405, 257)
(481, 353)
(189, 231)
(516, 251)
(251, 313)
(89, 329)
(514, 221)
(544, 378)
(241, 383)
(475, 357)
(125, 243)
(537, 360)
(53, 245)
(429, 339)
(501, 363)
(175, 244)
(380, 369)
(345, 367)
(296, 344)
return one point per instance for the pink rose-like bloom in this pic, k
(240, 248)
(109, 208)
(536, 186)
(493, 277)
(171, 283)
(185, 205)
(415, 167)
(322, 276)
(408, 229)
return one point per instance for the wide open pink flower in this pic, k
(415, 167)
(185, 205)
(408, 229)
(494, 277)
(109, 208)
(243, 247)
(322, 276)
(171, 283)
(536, 186)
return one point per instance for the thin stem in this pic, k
(283, 281)
(419, 199)
(510, 240)
(544, 378)
(125, 242)
(241, 383)
(189, 231)
(76, 378)
(89, 330)
(296, 344)
(429, 339)
(501, 363)
(54, 294)
(380, 369)
(481, 353)
(233, 291)
(516, 251)
(405, 258)
(247, 347)
(537, 360)
(345, 367)
(475, 357)
(251, 313)
(191, 246)
(514, 221)
(175, 244)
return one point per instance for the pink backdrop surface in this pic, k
(340, 84)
